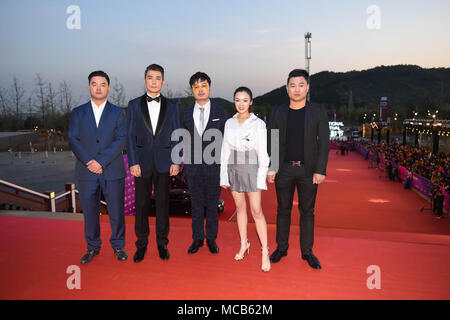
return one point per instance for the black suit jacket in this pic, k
(217, 118)
(317, 137)
(146, 144)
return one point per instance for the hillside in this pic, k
(408, 88)
(404, 85)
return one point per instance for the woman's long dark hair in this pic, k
(249, 92)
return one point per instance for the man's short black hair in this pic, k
(199, 76)
(98, 73)
(154, 67)
(298, 73)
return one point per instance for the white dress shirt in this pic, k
(196, 115)
(98, 110)
(251, 135)
(153, 110)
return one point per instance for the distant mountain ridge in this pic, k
(402, 84)
(407, 87)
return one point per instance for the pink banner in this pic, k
(402, 173)
(423, 186)
(129, 208)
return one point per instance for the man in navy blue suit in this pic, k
(151, 119)
(203, 176)
(97, 134)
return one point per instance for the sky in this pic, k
(246, 42)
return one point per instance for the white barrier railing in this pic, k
(50, 198)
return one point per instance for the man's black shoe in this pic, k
(277, 255)
(90, 254)
(312, 261)
(213, 248)
(196, 244)
(120, 254)
(163, 252)
(139, 255)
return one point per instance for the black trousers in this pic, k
(439, 204)
(143, 192)
(204, 190)
(287, 178)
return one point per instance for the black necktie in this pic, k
(150, 99)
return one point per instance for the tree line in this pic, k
(48, 105)
(43, 107)
(410, 90)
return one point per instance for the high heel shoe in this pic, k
(265, 267)
(240, 256)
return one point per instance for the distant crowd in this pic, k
(420, 160)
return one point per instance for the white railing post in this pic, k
(74, 198)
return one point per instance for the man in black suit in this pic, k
(151, 120)
(205, 121)
(303, 145)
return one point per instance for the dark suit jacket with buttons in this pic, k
(217, 118)
(317, 137)
(103, 144)
(146, 144)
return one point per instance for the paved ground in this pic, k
(38, 171)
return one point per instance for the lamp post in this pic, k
(364, 125)
(416, 133)
(435, 133)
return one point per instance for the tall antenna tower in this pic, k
(308, 54)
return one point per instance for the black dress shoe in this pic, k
(196, 244)
(277, 255)
(90, 254)
(163, 252)
(139, 255)
(312, 261)
(120, 254)
(213, 248)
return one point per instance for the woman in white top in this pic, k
(243, 169)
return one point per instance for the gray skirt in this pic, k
(243, 171)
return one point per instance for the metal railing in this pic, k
(67, 201)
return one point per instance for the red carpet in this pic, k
(412, 250)
(354, 197)
(37, 252)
